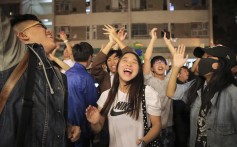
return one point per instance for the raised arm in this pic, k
(112, 31)
(63, 37)
(11, 48)
(148, 53)
(195, 64)
(169, 44)
(97, 70)
(63, 65)
(178, 62)
(108, 46)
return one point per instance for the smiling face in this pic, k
(128, 68)
(183, 75)
(159, 68)
(112, 62)
(32, 31)
(66, 54)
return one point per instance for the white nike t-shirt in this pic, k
(124, 131)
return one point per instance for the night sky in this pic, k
(225, 23)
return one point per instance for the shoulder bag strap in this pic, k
(12, 80)
(146, 128)
(28, 102)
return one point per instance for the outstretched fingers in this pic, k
(109, 29)
(178, 58)
(90, 110)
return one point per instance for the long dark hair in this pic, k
(220, 80)
(135, 91)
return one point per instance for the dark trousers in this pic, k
(102, 139)
(181, 125)
(166, 137)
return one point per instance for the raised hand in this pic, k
(93, 115)
(63, 35)
(111, 39)
(166, 39)
(153, 34)
(178, 57)
(121, 34)
(110, 30)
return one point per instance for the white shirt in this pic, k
(69, 62)
(166, 103)
(111, 78)
(124, 131)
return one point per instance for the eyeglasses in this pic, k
(159, 62)
(34, 24)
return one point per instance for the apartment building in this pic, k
(189, 21)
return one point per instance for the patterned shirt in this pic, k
(201, 140)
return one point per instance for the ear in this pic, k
(215, 65)
(178, 75)
(22, 36)
(90, 59)
(167, 67)
(152, 69)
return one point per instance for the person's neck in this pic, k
(161, 77)
(67, 58)
(208, 78)
(182, 80)
(84, 64)
(123, 87)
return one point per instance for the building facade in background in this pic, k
(83, 20)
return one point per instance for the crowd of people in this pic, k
(46, 101)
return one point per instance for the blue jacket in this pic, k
(81, 93)
(221, 119)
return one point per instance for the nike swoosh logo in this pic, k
(113, 113)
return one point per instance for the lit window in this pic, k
(171, 7)
(88, 10)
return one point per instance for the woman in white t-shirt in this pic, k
(122, 106)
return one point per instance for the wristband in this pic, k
(65, 41)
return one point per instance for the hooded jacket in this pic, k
(47, 122)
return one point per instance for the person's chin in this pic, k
(161, 72)
(113, 71)
(50, 49)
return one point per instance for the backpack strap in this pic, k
(12, 80)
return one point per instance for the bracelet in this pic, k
(65, 41)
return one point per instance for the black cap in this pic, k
(217, 51)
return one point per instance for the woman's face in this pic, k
(128, 68)
(207, 65)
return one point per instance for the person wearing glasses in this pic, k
(154, 75)
(33, 115)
